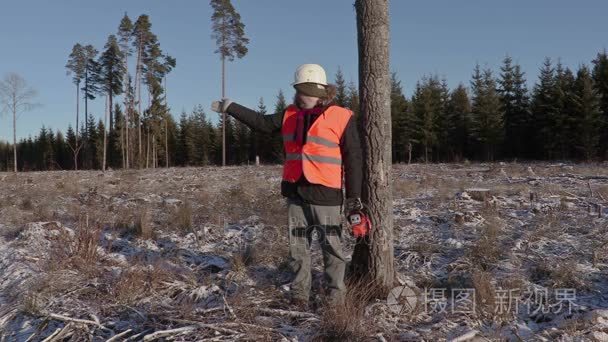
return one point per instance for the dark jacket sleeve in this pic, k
(350, 146)
(269, 123)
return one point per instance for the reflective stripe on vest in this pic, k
(319, 159)
(318, 140)
(313, 158)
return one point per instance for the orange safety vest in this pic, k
(319, 158)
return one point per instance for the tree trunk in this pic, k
(110, 111)
(75, 160)
(138, 88)
(166, 128)
(86, 103)
(15, 135)
(373, 257)
(154, 151)
(86, 118)
(147, 148)
(109, 115)
(223, 114)
(409, 153)
(122, 143)
(105, 136)
(77, 114)
(127, 145)
(77, 108)
(126, 116)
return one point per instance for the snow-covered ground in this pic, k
(486, 251)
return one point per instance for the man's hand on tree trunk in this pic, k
(221, 106)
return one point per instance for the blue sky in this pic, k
(427, 37)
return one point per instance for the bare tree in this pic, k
(16, 97)
(76, 147)
(229, 35)
(373, 257)
(166, 118)
(142, 38)
(125, 34)
(76, 66)
(105, 133)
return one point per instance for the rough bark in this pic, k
(166, 128)
(127, 107)
(223, 114)
(373, 258)
(105, 135)
(138, 92)
(14, 109)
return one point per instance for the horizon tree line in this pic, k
(496, 117)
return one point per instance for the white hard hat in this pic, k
(310, 73)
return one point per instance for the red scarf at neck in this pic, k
(313, 112)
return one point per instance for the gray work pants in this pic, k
(305, 218)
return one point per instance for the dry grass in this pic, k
(137, 221)
(182, 217)
(77, 251)
(405, 188)
(26, 204)
(131, 285)
(599, 252)
(485, 293)
(245, 302)
(559, 190)
(561, 274)
(508, 190)
(424, 248)
(31, 303)
(565, 275)
(273, 212)
(81, 274)
(601, 190)
(242, 259)
(143, 224)
(43, 212)
(205, 211)
(11, 231)
(346, 321)
(238, 201)
(486, 251)
(547, 226)
(141, 281)
(270, 248)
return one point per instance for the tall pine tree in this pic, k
(341, 93)
(588, 114)
(487, 116)
(399, 112)
(600, 77)
(515, 105)
(458, 117)
(544, 111)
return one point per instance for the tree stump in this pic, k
(479, 194)
(533, 197)
(459, 218)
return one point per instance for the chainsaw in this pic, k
(360, 223)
